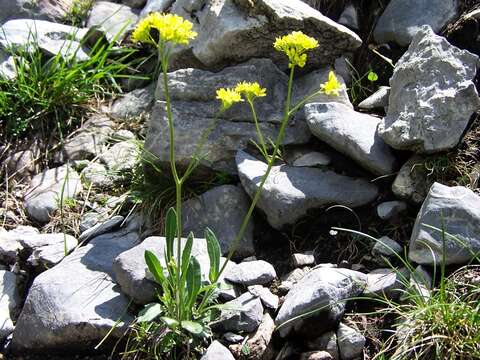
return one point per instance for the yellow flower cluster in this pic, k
(228, 97)
(332, 86)
(250, 90)
(295, 45)
(168, 27)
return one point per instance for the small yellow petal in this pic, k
(228, 97)
(332, 86)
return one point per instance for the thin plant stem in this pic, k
(271, 161)
(257, 127)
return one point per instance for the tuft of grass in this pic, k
(49, 94)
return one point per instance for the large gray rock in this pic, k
(194, 85)
(323, 289)
(43, 196)
(220, 147)
(10, 301)
(53, 38)
(73, 305)
(88, 141)
(351, 133)
(455, 208)
(234, 31)
(222, 209)
(403, 18)
(114, 20)
(216, 351)
(132, 274)
(290, 192)
(432, 96)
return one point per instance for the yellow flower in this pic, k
(250, 90)
(228, 97)
(332, 86)
(168, 28)
(295, 45)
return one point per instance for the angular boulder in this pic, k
(290, 192)
(351, 133)
(457, 210)
(432, 96)
(232, 31)
(72, 306)
(319, 300)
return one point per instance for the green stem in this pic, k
(302, 102)
(257, 127)
(178, 181)
(256, 198)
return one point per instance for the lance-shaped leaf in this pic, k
(194, 281)
(149, 312)
(155, 267)
(213, 248)
(170, 231)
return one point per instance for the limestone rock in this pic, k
(387, 247)
(259, 341)
(351, 133)
(290, 192)
(10, 301)
(458, 209)
(350, 342)
(133, 104)
(234, 31)
(120, 157)
(403, 18)
(43, 196)
(257, 272)
(389, 209)
(52, 38)
(160, 6)
(101, 228)
(412, 182)
(325, 289)
(114, 20)
(432, 95)
(216, 351)
(378, 100)
(222, 209)
(62, 314)
(387, 283)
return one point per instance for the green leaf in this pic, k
(245, 349)
(192, 327)
(194, 281)
(149, 312)
(186, 253)
(372, 76)
(170, 231)
(155, 267)
(171, 323)
(213, 248)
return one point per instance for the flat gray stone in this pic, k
(101, 228)
(458, 210)
(89, 140)
(351, 133)
(10, 301)
(259, 342)
(53, 38)
(390, 209)
(257, 272)
(325, 289)
(222, 209)
(378, 100)
(326, 342)
(312, 159)
(268, 299)
(160, 6)
(387, 283)
(303, 259)
(114, 20)
(432, 96)
(403, 18)
(73, 305)
(387, 247)
(246, 318)
(350, 342)
(98, 176)
(290, 192)
(216, 351)
(133, 104)
(43, 196)
(234, 31)
(21, 164)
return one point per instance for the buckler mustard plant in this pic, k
(295, 45)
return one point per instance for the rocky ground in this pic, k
(385, 158)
